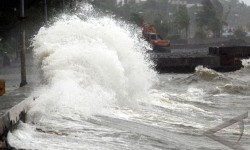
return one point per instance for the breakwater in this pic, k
(13, 108)
(10, 119)
(222, 59)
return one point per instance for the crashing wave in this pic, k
(207, 74)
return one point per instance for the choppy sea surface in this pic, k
(98, 91)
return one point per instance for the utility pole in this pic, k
(16, 38)
(22, 45)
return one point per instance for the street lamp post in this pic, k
(22, 45)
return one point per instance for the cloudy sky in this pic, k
(247, 2)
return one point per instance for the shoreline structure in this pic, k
(10, 119)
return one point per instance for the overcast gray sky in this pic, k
(247, 2)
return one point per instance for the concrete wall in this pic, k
(214, 40)
(9, 120)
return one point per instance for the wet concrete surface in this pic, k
(13, 98)
(11, 75)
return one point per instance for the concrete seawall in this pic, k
(10, 119)
(14, 103)
(13, 107)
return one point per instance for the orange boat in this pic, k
(150, 34)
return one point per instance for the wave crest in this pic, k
(90, 64)
(207, 74)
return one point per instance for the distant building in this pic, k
(123, 2)
(188, 3)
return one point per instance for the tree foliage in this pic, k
(182, 19)
(162, 26)
(240, 33)
(137, 19)
(210, 17)
(105, 4)
(248, 26)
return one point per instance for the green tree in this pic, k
(182, 19)
(220, 17)
(248, 26)
(162, 27)
(210, 18)
(200, 34)
(137, 19)
(1, 47)
(240, 33)
(104, 4)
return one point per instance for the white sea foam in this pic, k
(90, 65)
(246, 63)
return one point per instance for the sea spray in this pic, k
(246, 63)
(90, 64)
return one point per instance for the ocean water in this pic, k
(98, 90)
